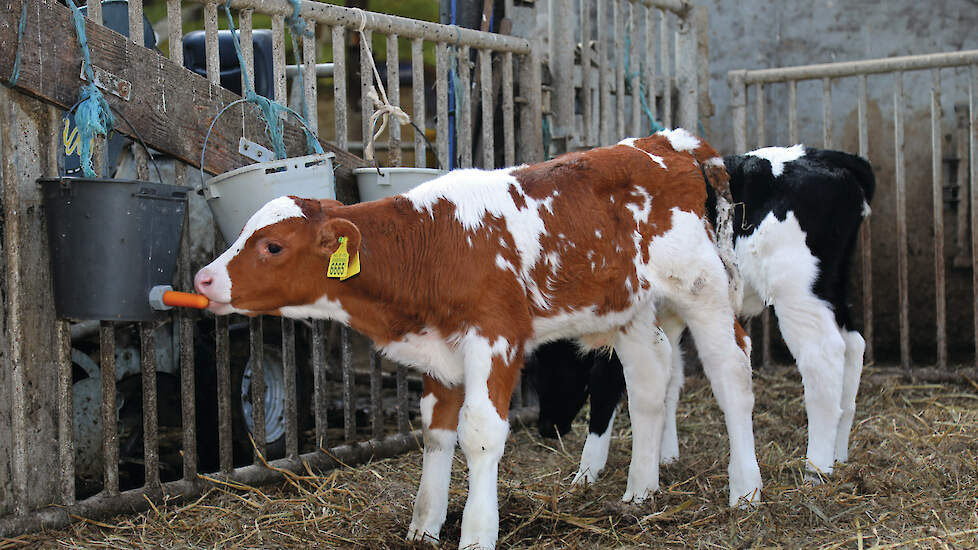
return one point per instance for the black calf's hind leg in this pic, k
(607, 386)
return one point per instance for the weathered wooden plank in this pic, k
(171, 107)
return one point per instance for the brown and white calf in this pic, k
(463, 276)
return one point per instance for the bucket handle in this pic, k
(203, 150)
(159, 197)
(134, 132)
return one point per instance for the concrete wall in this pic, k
(752, 34)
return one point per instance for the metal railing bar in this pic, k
(937, 164)
(586, 98)
(339, 86)
(666, 69)
(827, 113)
(376, 400)
(901, 220)
(174, 20)
(212, 59)
(793, 134)
(868, 66)
(604, 82)
(110, 424)
(66, 432)
(349, 406)
(865, 234)
(509, 130)
(618, 23)
(310, 72)
(441, 103)
(650, 43)
(634, 69)
(94, 10)
(394, 96)
(463, 111)
(136, 22)
(289, 372)
(245, 37)
(417, 92)
(488, 109)
(403, 425)
(256, 360)
(223, 366)
(185, 326)
(973, 143)
(319, 380)
(366, 82)
(151, 439)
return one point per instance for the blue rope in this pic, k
(642, 90)
(15, 72)
(271, 111)
(93, 115)
(298, 27)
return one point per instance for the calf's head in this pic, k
(279, 259)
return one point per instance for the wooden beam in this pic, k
(170, 106)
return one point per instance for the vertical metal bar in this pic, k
(973, 132)
(618, 23)
(586, 97)
(174, 26)
(95, 10)
(245, 26)
(278, 59)
(686, 72)
(394, 96)
(665, 68)
(319, 381)
(488, 110)
(418, 114)
(441, 104)
(66, 430)
(604, 82)
(376, 401)
(349, 406)
(185, 326)
(223, 356)
(827, 113)
(650, 46)
(339, 87)
(403, 426)
(738, 107)
(464, 110)
(901, 221)
(151, 440)
(288, 372)
(561, 42)
(311, 92)
(212, 59)
(110, 425)
(136, 21)
(865, 233)
(635, 71)
(761, 123)
(793, 111)
(257, 362)
(366, 83)
(937, 164)
(531, 116)
(509, 131)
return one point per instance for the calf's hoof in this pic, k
(420, 534)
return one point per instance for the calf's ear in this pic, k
(330, 232)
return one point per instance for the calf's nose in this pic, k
(203, 281)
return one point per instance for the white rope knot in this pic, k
(383, 109)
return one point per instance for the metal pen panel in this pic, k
(185, 328)
(417, 91)
(110, 418)
(66, 430)
(339, 86)
(865, 233)
(174, 26)
(650, 45)
(488, 110)
(463, 109)
(223, 366)
(937, 164)
(618, 23)
(604, 81)
(256, 361)
(151, 439)
(278, 60)
(509, 130)
(826, 113)
(441, 104)
(366, 83)
(901, 220)
(245, 37)
(738, 108)
(394, 96)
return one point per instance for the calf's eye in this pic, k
(273, 248)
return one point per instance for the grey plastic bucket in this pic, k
(111, 241)
(391, 181)
(234, 196)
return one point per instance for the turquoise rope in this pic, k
(93, 115)
(642, 90)
(298, 27)
(15, 72)
(271, 111)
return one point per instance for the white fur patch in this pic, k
(715, 161)
(323, 308)
(779, 156)
(680, 139)
(866, 209)
(774, 260)
(428, 352)
(595, 455)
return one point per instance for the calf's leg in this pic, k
(855, 347)
(606, 387)
(439, 416)
(673, 326)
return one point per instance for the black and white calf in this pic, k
(796, 222)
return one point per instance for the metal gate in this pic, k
(950, 164)
(217, 373)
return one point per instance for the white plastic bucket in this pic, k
(391, 181)
(234, 196)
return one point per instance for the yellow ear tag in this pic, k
(340, 266)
